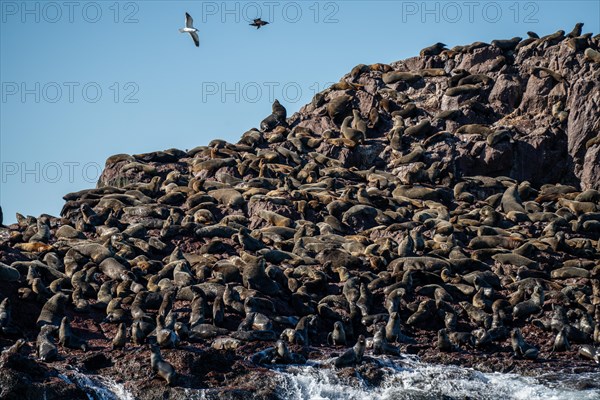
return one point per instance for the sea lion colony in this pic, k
(398, 212)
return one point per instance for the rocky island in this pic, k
(446, 206)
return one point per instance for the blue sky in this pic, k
(82, 80)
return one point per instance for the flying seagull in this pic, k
(189, 28)
(258, 23)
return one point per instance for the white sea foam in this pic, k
(97, 387)
(412, 380)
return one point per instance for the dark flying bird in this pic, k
(258, 23)
(189, 28)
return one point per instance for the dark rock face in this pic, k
(465, 202)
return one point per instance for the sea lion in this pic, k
(443, 342)
(507, 45)
(464, 89)
(218, 311)
(43, 233)
(120, 338)
(578, 43)
(67, 338)
(589, 352)
(475, 79)
(358, 70)
(161, 367)
(231, 298)
(5, 313)
(353, 355)
(393, 330)
(11, 351)
(474, 129)
(53, 311)
(140, 330)
(526, 42)
(277, 117)
(531, 306)
(358, 123)
(197, 314)
(264, 356)
(576, 30)
(338, 335)
(433, 50)
(365, 301)
(226, 343)
(45, 348)
(552, 39)
(338, 107)
(200, 332)
(165, 336)
(475, 45)
(8, 273)
(284, 356)
(424, 310)
(476, 315)
(354, 135)
(423, 128)
(592, 55)
(561, 342)
(255, 277)
(522, 348)
(380, 344)
(400, 76)
(293, 336)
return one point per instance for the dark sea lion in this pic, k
(433, 50)
(443, 341)
(393, 330)
(67, 338)
(255, 277)
(120, 338)
(53, 311)
(354, 135)
(284, 356)
(8, 273)
(507, 45)
(464, 89)
(338, 335)
(140, 329)
(339, 107)
(561, 342)
(276, 118)
(353, 355)
(45, 348)
(522, 348)
(576, 30)
(218, 311)
(380, 344)
(161, 367)
(264, 356)
(399, 76)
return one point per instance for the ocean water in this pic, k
(406, 379)
(97, 387)
(412, 380)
